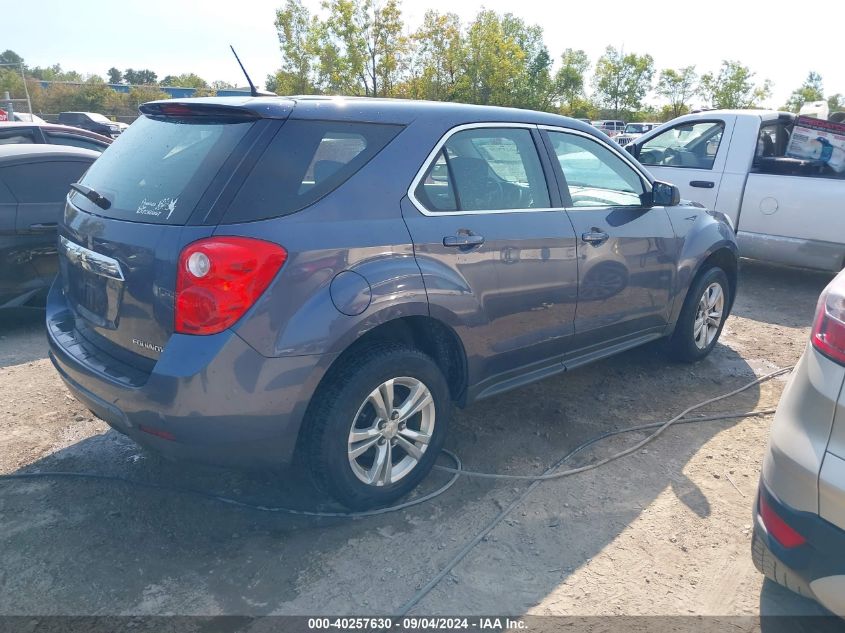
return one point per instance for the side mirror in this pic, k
(664, 195)
(633, 149)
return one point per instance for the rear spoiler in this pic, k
(228, 108)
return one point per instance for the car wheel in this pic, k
(702, 317)
(376, 425)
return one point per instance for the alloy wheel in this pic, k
(708, 315)
(391, 431)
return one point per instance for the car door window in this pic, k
(43, 181)
(15, 137)
(595, 175)
(690, 145)
(485, 169)
(75, 141)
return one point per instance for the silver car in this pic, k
(799, 527)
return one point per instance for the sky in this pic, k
(173, 37)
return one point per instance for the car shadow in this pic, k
(22, 337)
(78, 547)
(783, 611)
(764, 286)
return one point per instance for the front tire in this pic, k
(702, 317)
(375, 427)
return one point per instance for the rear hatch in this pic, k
(160, 185)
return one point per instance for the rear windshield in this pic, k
(304, 162)
(157, 170)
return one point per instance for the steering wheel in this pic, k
(671, 156)
(493, 193)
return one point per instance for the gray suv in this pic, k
(246, 279)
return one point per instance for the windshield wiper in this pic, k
(98, 199)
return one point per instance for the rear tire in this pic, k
(702, 317)
(396, 402)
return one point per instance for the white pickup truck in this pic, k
(784, 210)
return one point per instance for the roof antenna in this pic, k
(252, 89)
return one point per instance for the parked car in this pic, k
(49, 133)
(364, 266)
(92, 121)
(26, 117)
(784, 210)
(634, 131)
(799, 526)
(611, 128)
(34, 181)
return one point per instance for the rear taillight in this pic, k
(829, 324)
(220, 278)
(777, 527)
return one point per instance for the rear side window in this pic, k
(485, 169)
(42, 182)
(304, 162)
(157, 170)
(16, 137)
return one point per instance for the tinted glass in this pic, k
(691, 145)
(6, 196)
(491, 169)
(15, 137)
(74, 141)
(435, 190)
(43, 181)
(595, 175)
(304, 162)
(157, 170)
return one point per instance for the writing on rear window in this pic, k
(159, 208)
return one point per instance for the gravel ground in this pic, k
(663, 532)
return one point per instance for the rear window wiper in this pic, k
(98, 199)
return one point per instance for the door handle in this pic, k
(43, 227)
(702, 184)
(595, 237)
(463, 240)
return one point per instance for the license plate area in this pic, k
(93, 283)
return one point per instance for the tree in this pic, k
(10, 57)
(677, 87)
(296, 33)
(810, 90)
(436, 64)
(188, 80)
(363, 41)
(139, 77)
(492, 63)
(622, 81)
(836, 102)
(533, 84)
(569, 79)
(115, 76)
(733, 87)
(219, 84)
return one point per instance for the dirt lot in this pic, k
(666, 531)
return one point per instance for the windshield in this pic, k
(635, 128)
(157, 169)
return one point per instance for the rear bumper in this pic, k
(208, 398)
(818, 566)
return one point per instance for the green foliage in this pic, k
(733, 87)
(569, 81)
(436, 64)
(677, 87)
(811, 90)
(189, 80)
(296, 40)
(10, 57)
(622, 81)
(144, 77)
(115, 76)
(836, 102)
